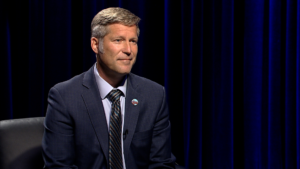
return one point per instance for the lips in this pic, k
(125, 61)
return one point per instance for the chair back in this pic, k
(20, 143)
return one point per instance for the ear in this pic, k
(95, 45)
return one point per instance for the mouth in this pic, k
(125, 61)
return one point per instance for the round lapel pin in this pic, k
(134, 102)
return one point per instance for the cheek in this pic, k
(105, 58)
(112, 51)
(134, 49)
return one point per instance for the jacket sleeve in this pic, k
(58, 140)
(160, 153)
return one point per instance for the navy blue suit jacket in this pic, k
(76, 132)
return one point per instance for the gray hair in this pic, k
(109, 16)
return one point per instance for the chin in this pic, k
(125, 71)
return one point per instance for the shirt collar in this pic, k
(105, 88)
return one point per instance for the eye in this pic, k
(118, 40)
(134, 41)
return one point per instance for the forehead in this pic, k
(117, 28)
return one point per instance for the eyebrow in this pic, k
(122, 37)
(134, 39)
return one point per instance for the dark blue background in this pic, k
(231, 70)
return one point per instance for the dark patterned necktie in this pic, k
(115, 129)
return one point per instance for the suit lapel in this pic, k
(131, 111)
(93, 102)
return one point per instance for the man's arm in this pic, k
(58, 140)
(160, 153)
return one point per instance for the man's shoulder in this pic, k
(146, 86)
(144, 81)
(71, 84)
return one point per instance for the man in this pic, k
(108, 117)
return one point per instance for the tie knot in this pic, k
(114, 95)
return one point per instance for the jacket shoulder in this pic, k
(72, 84)
(144, 82)
(147, 87)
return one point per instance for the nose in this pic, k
(127, 48)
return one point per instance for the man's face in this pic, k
(119, 50)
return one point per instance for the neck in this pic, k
(114, 81)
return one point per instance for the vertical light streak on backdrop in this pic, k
(298, 89)
(232, 81)
(290, 83)
(185, 107)
(226, 92)
(9, 70)
(166, 51)
(189, 70)
(200, 118)
(253, 51)
(274, 141)
(193, 60)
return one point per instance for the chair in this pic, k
(20, 143)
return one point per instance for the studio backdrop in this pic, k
(231, 69)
